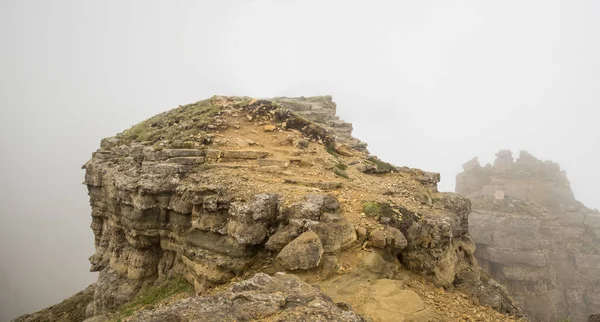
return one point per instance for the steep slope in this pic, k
(220, 190)
(533, 236)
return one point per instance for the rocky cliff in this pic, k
(223, 189)
(533, 236)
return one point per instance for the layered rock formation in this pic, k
(222, 189)
(533, 236)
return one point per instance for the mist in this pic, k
(428, 84)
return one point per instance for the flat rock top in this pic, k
(282, 297)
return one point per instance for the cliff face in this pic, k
(533, 236)
(220, 190)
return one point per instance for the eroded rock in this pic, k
(304, 252)
(282, 297)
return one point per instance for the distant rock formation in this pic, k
(533, 236)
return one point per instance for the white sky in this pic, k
(428, 84)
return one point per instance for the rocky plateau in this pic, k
(269, 210)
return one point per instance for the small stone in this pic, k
(361, 233)
(377, 238)
(269, 128)
(300, 143)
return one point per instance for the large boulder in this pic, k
(304, 252)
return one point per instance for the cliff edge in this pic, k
(222, 194)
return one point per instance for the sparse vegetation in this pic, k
(176, 124)
(341, 173)
(377, 209)
(371, 208)
(332, 151)
(340, 165)
(151, 295)
(382, 165)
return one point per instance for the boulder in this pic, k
(377, 238)
(395, 239)
(335, 232)
(304, 252)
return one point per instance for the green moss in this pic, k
(151, 295)
(371, 208)
(176, 124)
(377, 209)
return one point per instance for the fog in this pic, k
(428, 84)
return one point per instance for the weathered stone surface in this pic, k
(244, 154)
(533, 236)
(283, 237)
(395, 239)
(361, 234)
(304, 252)
(380, 300)
(323, 185)
(272, 162)
(250, 222)
(377, 238)
(281, 297)
(335, 232)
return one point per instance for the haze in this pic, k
(428, 84)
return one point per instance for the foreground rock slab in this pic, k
(282, 297)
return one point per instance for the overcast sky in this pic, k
(428, 84)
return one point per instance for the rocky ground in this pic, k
(224, 191)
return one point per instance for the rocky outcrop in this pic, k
(533, 236)
(322, 110)
(157, 212)
(281, 297)
(225, 188)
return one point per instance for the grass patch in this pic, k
(176, 124)
(150, 295)
(382, 166)
(341, 166)
(341, 173)
(331, 151)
